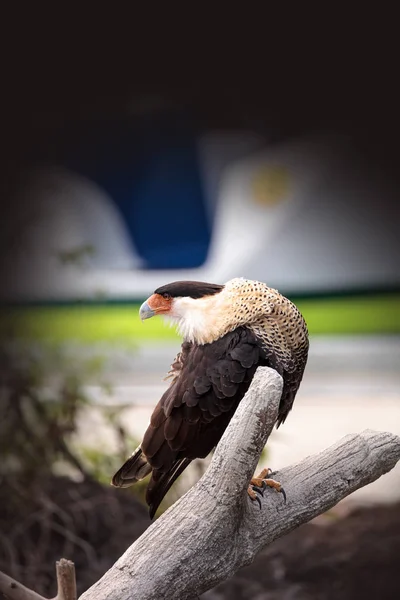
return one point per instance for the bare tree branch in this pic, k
(66, 584)
(215, 529)
(16, 591)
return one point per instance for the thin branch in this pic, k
(66, 584)
(16, 591)
(215, 529)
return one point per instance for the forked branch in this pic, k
(215, 529)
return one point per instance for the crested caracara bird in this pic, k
(228, 331)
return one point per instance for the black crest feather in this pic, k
(194, 289)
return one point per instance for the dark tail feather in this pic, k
(134, 469)
(157, 488)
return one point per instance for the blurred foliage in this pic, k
(43, 396)
(51, 504)
(101, 463)
(43, 393)
(119, 323)
(36, 421)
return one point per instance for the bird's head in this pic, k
(191, 305)
(203, 312)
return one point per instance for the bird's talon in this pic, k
(254, 492)
(259, 490)
(261, 482)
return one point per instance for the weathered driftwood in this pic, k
(215, 529)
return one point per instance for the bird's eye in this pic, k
(166, 296)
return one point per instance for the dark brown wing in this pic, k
(209, 382)
(193, 413)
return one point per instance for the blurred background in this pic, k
(115, 183)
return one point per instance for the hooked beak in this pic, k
(146, 312)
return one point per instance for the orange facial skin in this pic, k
(159, 304)
(155, 305)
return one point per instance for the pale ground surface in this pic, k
(350, 384)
